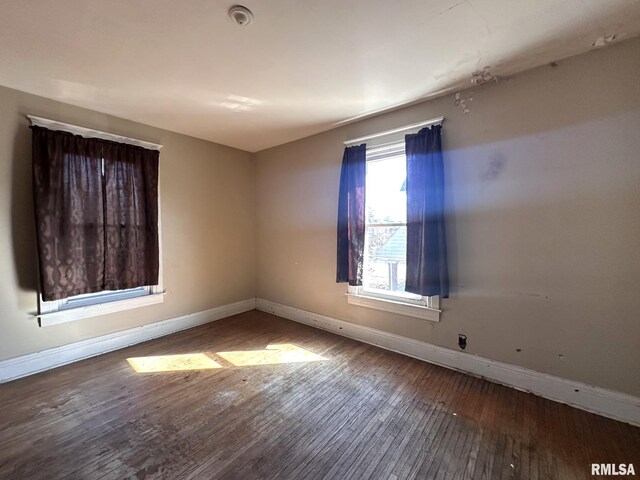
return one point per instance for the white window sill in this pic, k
(394, 306)
(63, 316)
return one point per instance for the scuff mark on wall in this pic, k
(496, 165)
(480, 77)
(461, 102)
(525, 294)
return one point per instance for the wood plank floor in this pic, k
(362, 413)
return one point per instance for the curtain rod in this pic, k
(89, 133)
(426, 123)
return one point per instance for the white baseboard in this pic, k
(616, 405)
(14, 368)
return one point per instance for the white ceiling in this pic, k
(302, 66)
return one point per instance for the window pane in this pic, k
(386, 200)
(105, 296)
(385, 260)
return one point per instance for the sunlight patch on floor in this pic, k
(173, 363)
(273, 354)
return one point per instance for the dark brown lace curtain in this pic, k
(96, 208)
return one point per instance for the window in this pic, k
(386, 224)
(97, 212)
(385, 246)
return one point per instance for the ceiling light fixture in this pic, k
(241, 15)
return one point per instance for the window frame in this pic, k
(402, 303)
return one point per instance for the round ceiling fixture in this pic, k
(241, 15)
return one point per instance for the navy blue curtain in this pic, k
(427, 270)
(351, 215)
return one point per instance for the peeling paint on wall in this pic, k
(603, 40)
(461, 102)
(480, 77)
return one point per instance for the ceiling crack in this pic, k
(452, 7)
(484, 20)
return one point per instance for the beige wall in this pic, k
(208, 226)
(543, 192)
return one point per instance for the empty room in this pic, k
(319, 240)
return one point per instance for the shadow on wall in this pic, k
(22, 216)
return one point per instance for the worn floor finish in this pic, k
(362, 413)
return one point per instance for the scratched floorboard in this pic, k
(364, 413)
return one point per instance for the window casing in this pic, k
(384, 270)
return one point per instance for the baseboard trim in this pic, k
(22, 366)
(608, 403)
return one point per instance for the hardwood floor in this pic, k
(363, 413)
